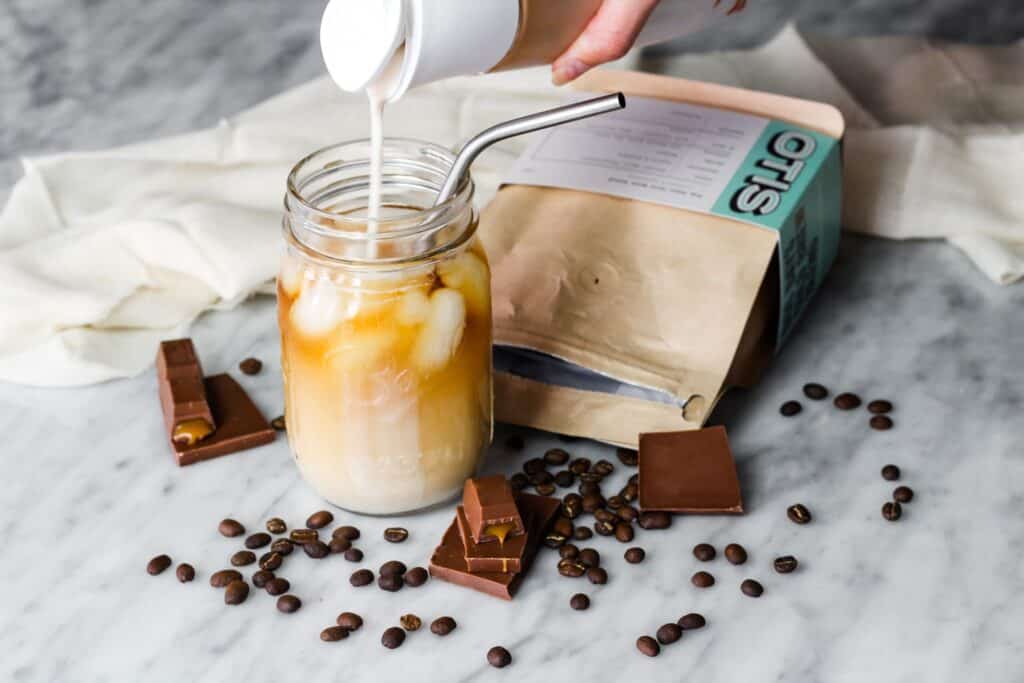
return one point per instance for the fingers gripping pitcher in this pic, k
(385, 328)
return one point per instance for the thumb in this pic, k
(608, 36)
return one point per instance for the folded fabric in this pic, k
(104, 254)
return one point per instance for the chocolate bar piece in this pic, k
(691, 471)
(187, 412)
(491, 509)
(449, 560)
(240, 425)
(490, 557)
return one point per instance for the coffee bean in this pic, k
(571, 568)
(392, 638)
(303, 536)
(276, 525)
(361, 577)
(603, 468)
(410, 622)
(554, 540)
(542, 478)
(572, 505)
(271, 561)
(798, 514)
(597, 576)
(903, 494)
(545, 489)
(592, 501)
(498, 657)
(319, 519)
(879, 406)
(416, 577)
(158, 564)
(628, 513)
(624, 532)
(880, 422)
(591, 477)
(185, 572)
(282, 547)
(669, 633)
(615, 502)
(317, 550)
(230, 528)
(568, 551)
(627, 456)
(790, 408)
(563, 526)
(635, 555)
(565, 479)
(339, 545)
(603, 515)
(629, 492)
(277, 586)
(702, 580)
(392, 568)
(224, 577)
(515, 442)
(890, 473)
(353, 555)
(655, 520)
(648, 646)
(691, 621)
(332, 634)
(580, 601)
(533, 466)
(582, 533)
(604, 528)
(261, 578)
(279, 424)
(518, 481)
(288, 604)
(391, 584)
(752, 588)
(735, 553)
(442, 626)
(846, 401)
(634, 480)
(892, 511)
(350, 621)
(579, 466)
(705, 552)
(243, 558)
(236, 592)
(556, 457)
(395, 534)
(250, 366)
(815, 392)
(257, 540)
(589, 488)
(347, 532)
(785, 564)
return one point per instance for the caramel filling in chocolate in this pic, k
(499, 531)
(188, 432)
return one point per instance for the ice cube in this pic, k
(413, 308)
(468, 274)
(361, 350)
(290, 277)
(442, 330)
(319, 308)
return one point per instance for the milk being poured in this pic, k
(378, 93)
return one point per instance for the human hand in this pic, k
(607, 37)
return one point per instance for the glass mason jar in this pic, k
(385, 331)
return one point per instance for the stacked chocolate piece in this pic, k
(494, 537)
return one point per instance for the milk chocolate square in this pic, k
(690, 471)
(182, 389)
(491, 509)
(490, 557)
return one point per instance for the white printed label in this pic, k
(671, 153)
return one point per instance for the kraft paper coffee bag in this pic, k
(646, 260)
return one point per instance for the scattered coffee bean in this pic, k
(580, 601)
(629, 492)
(705, 552)
(542, 478)
(353, 555)
(416, 577)
(669, 633)
(518, 481)
(634, 480)
(648, 646)
(250, 366)
(498, 657)
(392, 638)
(798, 514)
(350, 621)
(735, 553)
(597, 576)
(568, 551)
(230, 528)
(332, 634)
(603, 515)
(627, 456)
(702, 580)
(257, 540)
(592, 501)
(628, 513)
(276, 525)
(691, 621)
(603, 468)
(563, 526)
(785, 564)
(890, 473)
(589, 488)
(304, 536)
(880, 422)
(185, 572)
(790, 408)
(288, 604)
(655, 520)
(582, 533)
(846, 401)
(571, 568)
(635, 555)
(224, 577)
(319, 519)
(579, 466)
(442, 626)
(534, 465)
(892, 511)
(590, 557)
(545, 489)
(282, 547)
(410, 622)
(158, 564)
(624, 532)
(271, 561)
(903, 494)
(243, 558)
(277, 586)
(392, 568)
(615, 502)
(565, 479)
(514, 442)
(391, 584)
(590, 477)
(815, 391)
(278, 423)
(556, 457)
(261, 578)
(347, 532)
(879, 406)
(395, 534)
(572, 505)
(751, 588)
(554, 540)
(339, 545)
(317, 550)
(604, 528)
(236, 592)
(361, 577)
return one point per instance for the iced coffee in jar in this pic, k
(385, 329)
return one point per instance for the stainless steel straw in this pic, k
(524, 124)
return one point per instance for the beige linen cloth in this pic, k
(103, 254)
